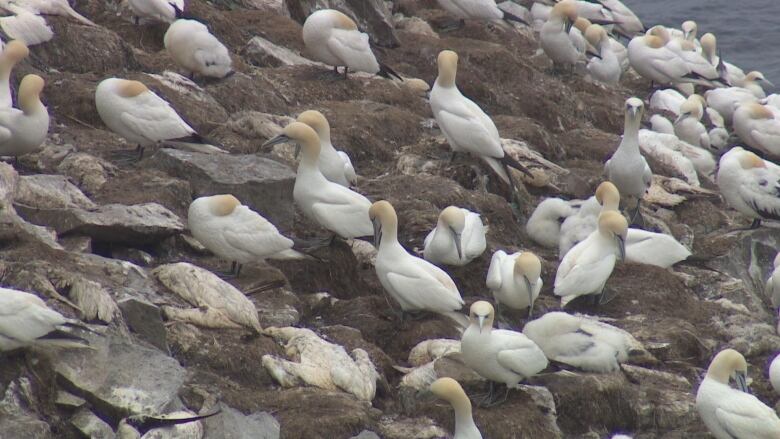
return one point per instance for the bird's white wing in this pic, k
(473, 236)
(669, 64)
(27, 27)
(153, 118)
(25, 321)
(768, 135)
(353, 49)
(743, 415)
(651, 248)
(346, 213)
(760, 188)
(5, 133)
(773, 288)
(518, 354)
(349, 170)
(424, 291)
(467, 125)
(493, 280)
(254, 234)
(585, 277)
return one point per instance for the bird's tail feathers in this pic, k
(386, 72)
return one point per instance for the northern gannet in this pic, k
(753, 82)
(13, 52)
(699, 67)
(156, 10)
(605, 67)
(659, 124)
(579, 341)
(25, 320)
(23, 130)
(49, 7)
(627, 168)
(131, 110)
(626, 22)
(450, 390)
(585, 269)
(466, 127)
(554, 36)
(688, 126)
(24, 25)
(479, 10)
(194, 48)
(733, 413)
(236, 233)
(498, 355)
(685, 158)
(515, 279)
(334, 39)
(774, 373)
(457, 239)
(334, 207)
(544, 225)
(653, 60)
(773, 287)
(724, 100)
(758, 127)
(579, 226)
(416, 284)
(667, 99)
(750, 185)
(709, 48)
(333, 165)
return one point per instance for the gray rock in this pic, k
(94, 301)
(91, 425)
(371, 16)
(365, 434)
(121, 378)
(69, 400)
(262, 184)
(232, 424)
(263, 53)
(145, 319)
(14, 426)
(87, 171)
(114, 223)
(45, 191)
(277, 6)
(76, 243)
(12, 227)
(196, 106)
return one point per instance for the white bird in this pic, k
(579, 226)
(466, 127)
(13, 52)
(334, 39)
(653, 60)
(23, 130)
(25, 26)
(334, 165)
(450, 390)
(753, 81)
(627, 168)
(774, 373)
(659, 124)
(457, 239)
(236, 233)
(580, 341)
(733, 413)
(724, 100)
(479, 10)
(334, 207)
(592, 11)
(688, 126)
(416, 284)
(544, 225)
(667, 99)
(759, 127)
(605, 67)
(136, 113)
(156, 10)
(709, 48)
(515, 279)
(498, 355)
(554, 36)
(585, 269)
(750, 185)
(48, 7)
(698, 66)
(25, 320)
(673, 152)
(719, 136)
(194, 48)
(626, 22)
(773, 285)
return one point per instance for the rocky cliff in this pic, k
(109, 224)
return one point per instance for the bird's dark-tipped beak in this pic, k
(528, 285)
(281, 138)
(741, 380)
(458, 243)
(377, 232)
(621, 247)
(567, 24)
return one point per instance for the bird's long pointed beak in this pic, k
(680, 117)
(686, 34)
(592, 51)
(621, 247)
(281, 138)
(377, 232)
(528, 285)
(741, 380)
(768, 82)
(458, 243)
(481, 322)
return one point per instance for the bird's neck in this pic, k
(446, 79)
(631, 132)
(31, 105)
(464, 420)
(390, 235)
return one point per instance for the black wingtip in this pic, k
(197, 138)
(65, 336)
(177, 11)
(510, 161)
(386, 72)
(145, 423)
(515, 18)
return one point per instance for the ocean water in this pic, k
(748, 31)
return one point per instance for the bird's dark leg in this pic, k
(140, 151)
(346, 69)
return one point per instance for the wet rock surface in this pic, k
(101, 238)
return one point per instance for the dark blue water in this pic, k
(748, 31)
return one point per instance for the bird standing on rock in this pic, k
(750, 184)
(466, 127)
(333, 38)
(234, 232)
(194, 48)
(515, 279)
(479, 10)
(23, 130)
(332, 206)
(554, 36)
